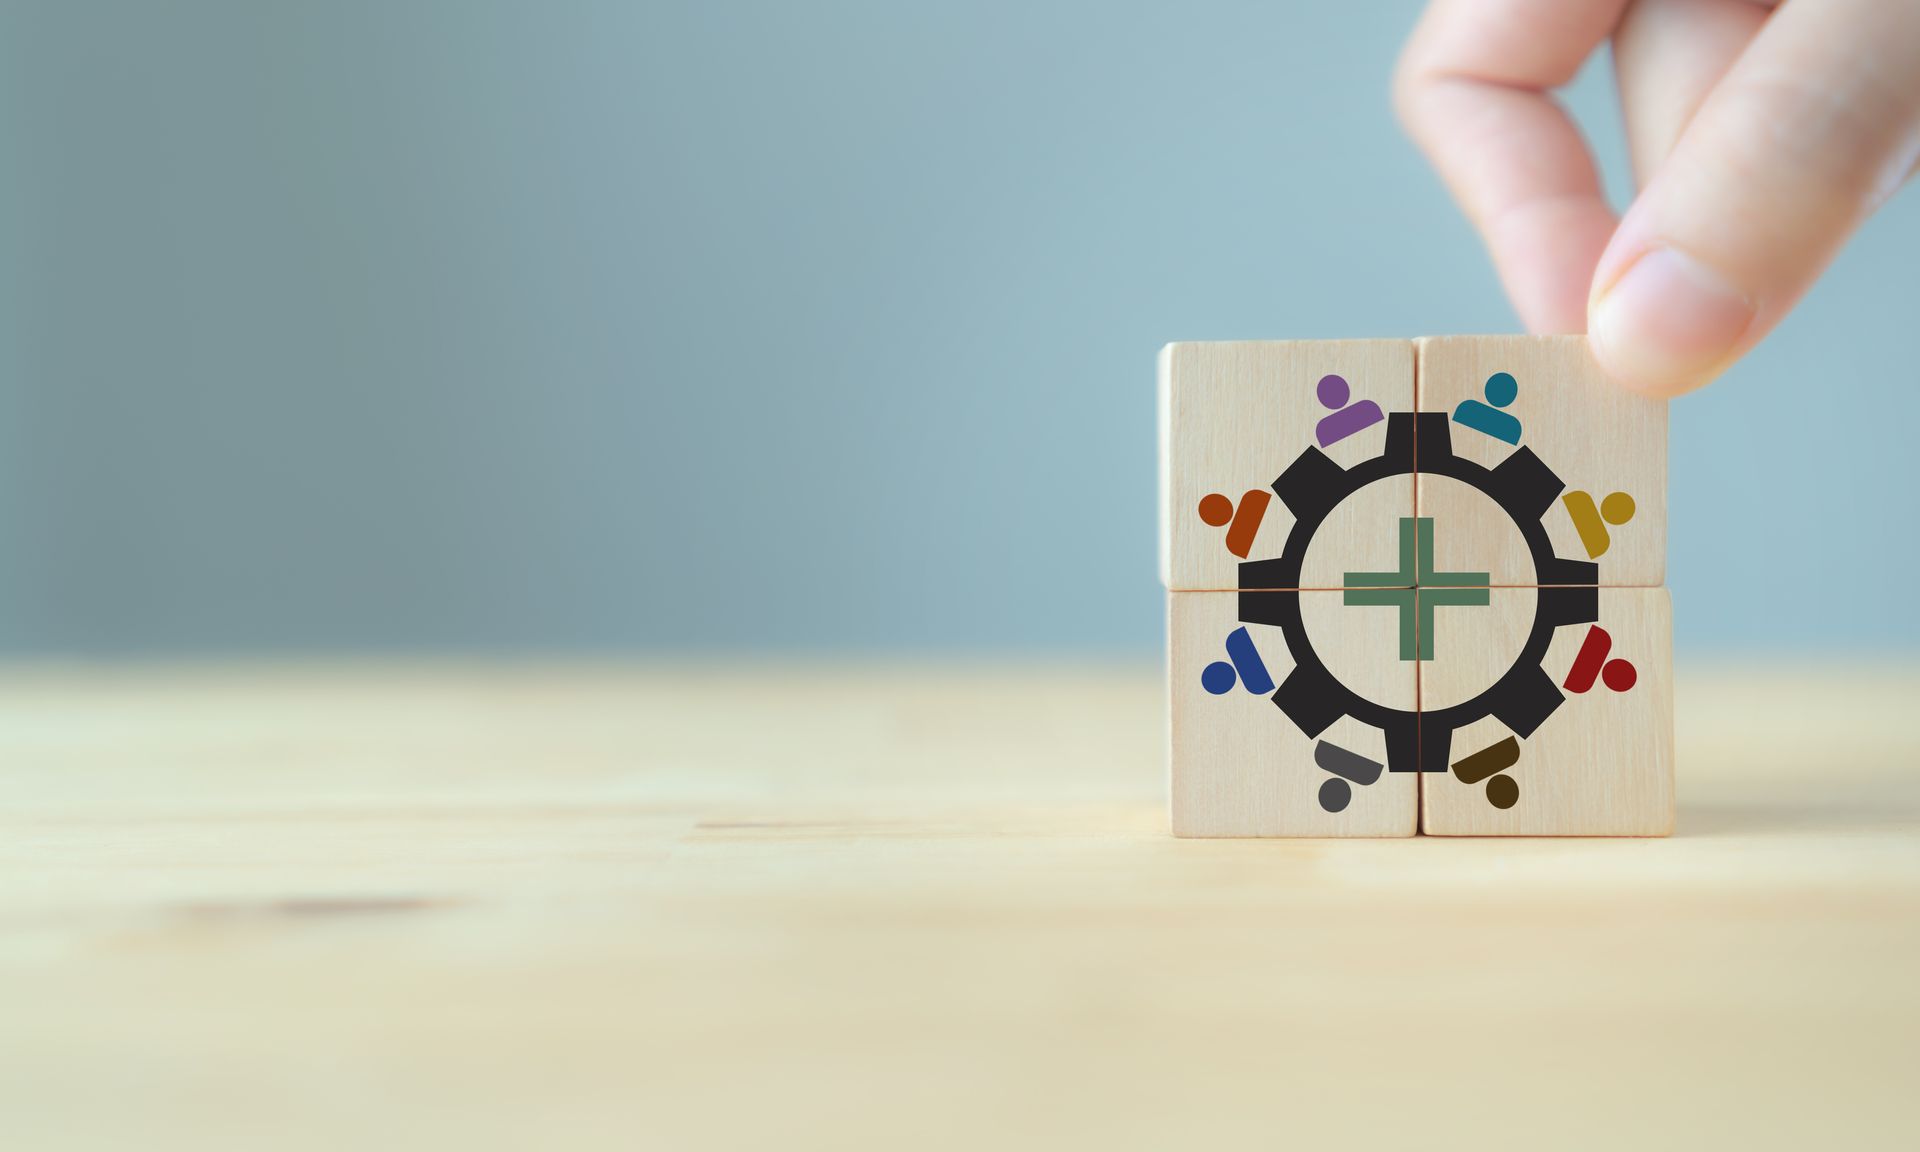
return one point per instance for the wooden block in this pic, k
(1260, 742)
(1523, 432)
(1235, 417)
(1573, 693)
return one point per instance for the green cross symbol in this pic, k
(1416, 589)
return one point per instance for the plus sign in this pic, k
(1416, 589)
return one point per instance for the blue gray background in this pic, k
(630, 326)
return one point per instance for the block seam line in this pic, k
(1393, 587)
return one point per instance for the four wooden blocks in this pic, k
(1414, 586)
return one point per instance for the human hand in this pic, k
(1762, 135)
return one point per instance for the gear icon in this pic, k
(1524, 488)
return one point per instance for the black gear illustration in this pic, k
(1524, 488)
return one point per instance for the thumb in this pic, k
(1815, 125)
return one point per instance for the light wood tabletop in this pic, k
(906, 907)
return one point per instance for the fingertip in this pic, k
(1668, 323)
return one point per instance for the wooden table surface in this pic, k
(909, 907)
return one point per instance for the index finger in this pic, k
(1474, 90)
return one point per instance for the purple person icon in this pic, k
(1347, 420)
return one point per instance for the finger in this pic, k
(1473, 89)
(1667, 55)
(1814, 126)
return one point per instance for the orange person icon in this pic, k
(1241, 523)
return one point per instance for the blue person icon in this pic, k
(1242, 665)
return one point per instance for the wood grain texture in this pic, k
(814, 906)
(1598, 437)
(1238, 766)
(1601, 765)
(1234, 415)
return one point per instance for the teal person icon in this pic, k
(1501, 390)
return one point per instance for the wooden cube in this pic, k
(1448, 557)
(1570, 454)
(1260, 746)
(1549, 712)
(1256, 433)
